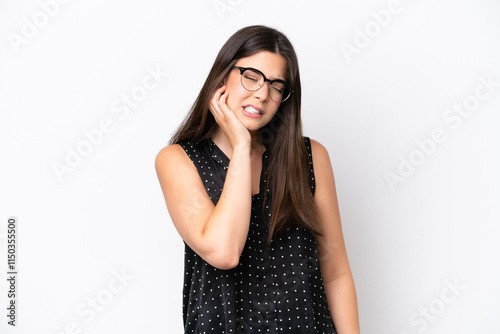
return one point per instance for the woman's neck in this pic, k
(222, 141)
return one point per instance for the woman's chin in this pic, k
(253, 127)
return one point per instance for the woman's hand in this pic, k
(237, 133)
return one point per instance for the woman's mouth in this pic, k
(251, 112)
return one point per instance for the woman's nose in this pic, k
(263, 92)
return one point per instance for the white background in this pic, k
(108, 214)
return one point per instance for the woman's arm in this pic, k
(216, 233)
(337, 277)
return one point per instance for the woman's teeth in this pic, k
(252, 110)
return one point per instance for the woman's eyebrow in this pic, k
(274, 78)
(268, 77)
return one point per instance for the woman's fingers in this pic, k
(227, 119)
(215, 105)
(223, 98)
(226, 112)
(220, 109)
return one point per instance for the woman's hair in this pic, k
(292, 201)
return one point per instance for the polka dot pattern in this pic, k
(276, 289)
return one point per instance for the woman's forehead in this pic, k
(274, 66)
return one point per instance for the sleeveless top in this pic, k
(276, 289)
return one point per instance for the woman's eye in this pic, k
(250, 78)
(279, 90)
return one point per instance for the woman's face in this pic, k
(274, 67)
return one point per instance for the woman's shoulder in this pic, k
(319, 152)
(323, 170)
(173, 151)
(168, 152)
(172, 155)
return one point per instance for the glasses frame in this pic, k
(243, 69)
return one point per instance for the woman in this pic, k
(264, 250)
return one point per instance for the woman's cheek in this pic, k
(232, 102)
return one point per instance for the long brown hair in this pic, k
(292, 201)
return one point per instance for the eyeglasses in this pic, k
(252, 80)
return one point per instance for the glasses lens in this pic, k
(278, 91)
(252, 80)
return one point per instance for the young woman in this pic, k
(264, 250)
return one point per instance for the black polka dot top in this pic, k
(276, 289)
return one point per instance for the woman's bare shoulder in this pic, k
(170, 151)
(319, 152)
(172, 157)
